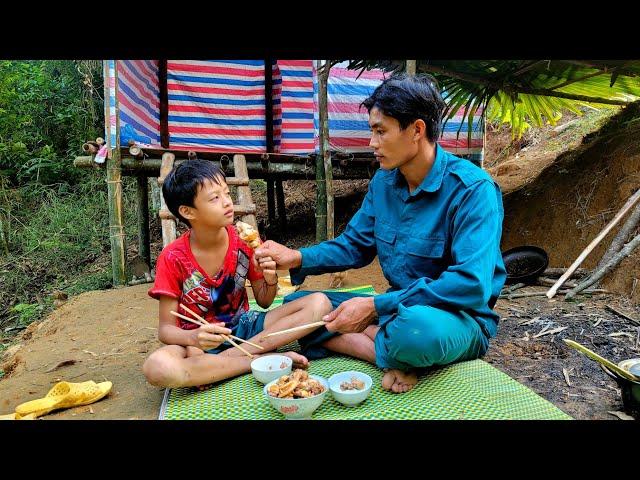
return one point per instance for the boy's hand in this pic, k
(285, 257)
(208, 336)
(268, 267)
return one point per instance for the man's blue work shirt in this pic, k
(437, 246)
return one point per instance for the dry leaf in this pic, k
(622, 415)
(61, 364)
(90, 352)
(566, 376)
(549, 332)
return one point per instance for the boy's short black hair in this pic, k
(181, 186)
(408, 98)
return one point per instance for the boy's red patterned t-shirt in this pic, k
(222, 298)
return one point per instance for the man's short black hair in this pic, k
(408, 98)
(181, 186)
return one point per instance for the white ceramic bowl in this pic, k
(269, 367)
(297, 408)
(350, 398)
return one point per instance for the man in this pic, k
(435, 222)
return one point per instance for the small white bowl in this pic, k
(269, 367)
(350, 398)
(297, 408)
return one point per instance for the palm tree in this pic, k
(524, 92)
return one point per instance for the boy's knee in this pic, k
(321, 302)
(162, 370)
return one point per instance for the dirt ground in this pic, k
(549, 200)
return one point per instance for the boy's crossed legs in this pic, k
(176, 366)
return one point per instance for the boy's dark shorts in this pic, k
(250, 324)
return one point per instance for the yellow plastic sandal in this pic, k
(64, 395)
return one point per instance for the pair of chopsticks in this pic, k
(201, 321)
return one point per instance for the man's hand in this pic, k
(351, 316)
(285, 257)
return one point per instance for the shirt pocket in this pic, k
(385, 242)
(425, 257)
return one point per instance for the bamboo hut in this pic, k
(281, 119)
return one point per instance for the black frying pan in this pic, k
(525, 263)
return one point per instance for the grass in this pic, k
(58, 240)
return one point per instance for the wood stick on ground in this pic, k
(565, 372)
(621, 238)
(623, 315)
(558, 272)
(540, 294)
(549, 282)
(597, 275)
(294, 329)
(625, 208)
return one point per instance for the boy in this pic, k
(205, 269)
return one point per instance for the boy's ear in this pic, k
(419, 129)
(186, 212)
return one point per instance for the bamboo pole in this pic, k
(114, 189)
(625, 208)
(621, 237)
(164, 103)
(325, 152)
(358, 168)
(244, 192)
(321, 186)
(271, 201)
(144, 247)
(282, 210)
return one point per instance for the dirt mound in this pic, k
(570, 202)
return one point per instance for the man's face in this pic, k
(213, 205)
(392, 146)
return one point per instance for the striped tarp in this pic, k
(219, 105)
(139, 102)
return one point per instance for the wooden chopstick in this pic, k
(293, 329)
(222, 335)
(184, 307)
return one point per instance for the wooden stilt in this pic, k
(321, 192)
(144, 247)
(168, 220)
(246, 208)
(271, 201)
(282, 210)
(325, 152)
(114, 191)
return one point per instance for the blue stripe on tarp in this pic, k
(296, 73)
(286, 134)
(308, 94)
(134, 71)
(138, 127)
(342, 89)
(254, 63)
(297, 115)
(138, 101)
(454, 126)
(349, 125)
(220, 121)
(213, 80)
(222, 101)
(219, 141)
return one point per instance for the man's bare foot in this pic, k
(398, 381)
(299, 361)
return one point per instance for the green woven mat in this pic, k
(466, 390)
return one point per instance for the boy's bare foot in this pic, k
(398, 381)
(299, 361)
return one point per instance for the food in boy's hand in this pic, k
(354, 384)
(248, 234)
(296, 385)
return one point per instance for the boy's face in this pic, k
(212, 207)
(392, 146)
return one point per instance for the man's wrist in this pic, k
(298, 259)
